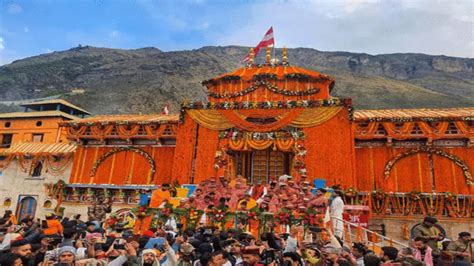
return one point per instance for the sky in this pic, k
(33, 27)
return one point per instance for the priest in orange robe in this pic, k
(159, 196)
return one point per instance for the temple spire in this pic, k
(268, 54)
(251, 56)
(284, 57)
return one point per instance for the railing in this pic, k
(415, 203)
(356, 233)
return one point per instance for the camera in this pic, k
(268, 256)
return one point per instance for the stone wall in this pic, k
(394, 225)
(15, 185)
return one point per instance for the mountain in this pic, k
(107, 81)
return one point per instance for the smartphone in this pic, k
(156, 242)
(44, 224)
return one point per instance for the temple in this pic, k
(264, 121)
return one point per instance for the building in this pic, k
(263, 121)
(34, 152)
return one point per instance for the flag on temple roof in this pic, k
(267, 41)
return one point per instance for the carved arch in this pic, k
(141, 152)
(424, 149)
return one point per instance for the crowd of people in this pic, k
(71, 241)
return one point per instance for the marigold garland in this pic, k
(102, 158)
(426, 149)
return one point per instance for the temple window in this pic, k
(6, 140)
(416, 130)
(8, 124)
(141, 130)
(452, 129)
(470, 123)
(168, 131)
(7, 202)
(37, 137)
(380, 130)
(398, 125)
(37, 170)
(39, 123)
(47, 204)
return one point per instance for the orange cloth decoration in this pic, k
(158, 197)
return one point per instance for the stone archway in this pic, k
(424, 149)
(141, 152)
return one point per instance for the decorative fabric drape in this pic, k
(101, 131)
(314, 116)
(296, 117)
(276, 144)
(210, 119)
(432, 130)
(128, 130)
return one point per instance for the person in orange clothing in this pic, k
(54, 225)
(159, 196)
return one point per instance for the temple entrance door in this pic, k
(26, 207)
(268, 163)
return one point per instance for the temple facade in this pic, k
(264, 121)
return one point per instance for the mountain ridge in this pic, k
(143, 79)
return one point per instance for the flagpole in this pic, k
(274, 44)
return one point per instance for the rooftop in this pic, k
(34, 148)
(57, 101)
(279, 72)
(128, 118)
(415, 114)
(37, 114)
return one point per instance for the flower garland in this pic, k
(102, 158)
(299, 160)
(268, 76)
(220, 158)
(268, 104)
(268, 86)
(464, 167)
(287, 133)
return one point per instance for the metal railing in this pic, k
(367, 236)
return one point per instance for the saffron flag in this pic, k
(267, 41)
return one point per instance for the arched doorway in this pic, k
(427, 169)
(26, 207)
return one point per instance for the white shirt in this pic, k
(337, 207)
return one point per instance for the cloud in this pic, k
(114, 34)
(14, 9)
(26, 29)
(2, 45)
(375, 27)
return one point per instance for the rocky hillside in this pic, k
(106, 80)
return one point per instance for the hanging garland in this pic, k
(464, 167)
(286, 133)
(268, 104)
(60, 167)
(119, 149)
(266, 85)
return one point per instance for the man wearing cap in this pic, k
(54, 225)
(67, 255)
(99, 209)
(430, 233)
(23, 249)
(251, 256)
(186, 255)
(461, 249)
